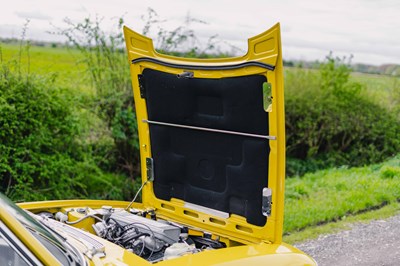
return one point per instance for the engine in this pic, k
(150, 238)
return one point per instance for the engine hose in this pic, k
(83, 218)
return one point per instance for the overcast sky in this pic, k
(367, 29)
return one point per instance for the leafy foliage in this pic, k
(107, 66)
(42, 156)
(330, 122)
(388, 172)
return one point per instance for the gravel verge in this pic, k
(374, 243)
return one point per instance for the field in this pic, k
(317, 198)
(61, 61)
(380, 87)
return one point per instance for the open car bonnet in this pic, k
(212, 140)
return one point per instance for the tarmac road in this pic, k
(375, 243)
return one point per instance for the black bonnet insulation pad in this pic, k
(220, 171)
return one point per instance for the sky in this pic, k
(367, 30)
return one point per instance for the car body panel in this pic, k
(271, 254)
(263, 58)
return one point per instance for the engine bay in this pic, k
(138, 231)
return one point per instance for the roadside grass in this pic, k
(344, 224)
(334, 194)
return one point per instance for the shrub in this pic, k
(329, 122)
(107, 66)
(41, 153)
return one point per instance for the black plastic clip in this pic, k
(186, 75)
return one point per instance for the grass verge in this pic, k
(344, 224)
(335, 194)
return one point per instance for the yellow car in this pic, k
(212, 147)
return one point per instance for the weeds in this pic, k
(183, 41)
(108, 69)
(390, 172)
(331, 195)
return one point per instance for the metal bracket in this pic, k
(150, 169)
(266, 201)
(267, 97)
(141, 86)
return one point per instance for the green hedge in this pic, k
(331, 122)
(42, 155)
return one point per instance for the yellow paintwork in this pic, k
(261, 254)
(265, 48)
(41, 253)
(246, 244)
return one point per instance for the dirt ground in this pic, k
(375, 243)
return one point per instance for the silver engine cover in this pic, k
(166, 232)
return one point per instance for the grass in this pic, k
(380, 87)
(344, 224)
(44, 60)
(334, 194)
